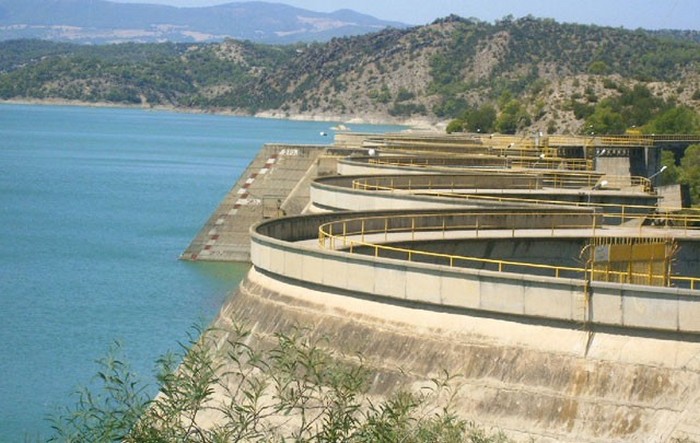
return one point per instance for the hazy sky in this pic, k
(631, 14)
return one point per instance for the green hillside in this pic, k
(530, 74)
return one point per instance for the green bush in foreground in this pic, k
(220, 389)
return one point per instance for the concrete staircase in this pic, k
(276, 183)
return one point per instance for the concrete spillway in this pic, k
(531, 356)
(553, 359)
(273, 184)
(530, 380)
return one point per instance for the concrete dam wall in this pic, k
(533, 368)
(272, 185)
(544, 357)
(546, 382)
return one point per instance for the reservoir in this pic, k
(96, 204)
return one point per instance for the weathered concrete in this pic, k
(278, 248)
(448, 190)
(275, 183)
(556, 359)
(548, 382)
(395, 164)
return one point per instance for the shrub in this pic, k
(293, 390)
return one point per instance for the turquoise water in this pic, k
(96, 205)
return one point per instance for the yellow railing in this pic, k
(570, 164)
(633, 141)
(457, 221)
(440, 162)
(526, 142)
(688, 138)
(688, 220)
(519, 161)
(434, 148)
(692, 282)
(552, 178)
(454, 260)
(540, 179)
(353, 234)
(621, 182)
(630, 141)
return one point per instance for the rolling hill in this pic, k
(536, 74)
(100, 21)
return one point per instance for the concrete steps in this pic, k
(274, 184)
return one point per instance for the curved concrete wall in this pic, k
(275, 252)
(537, 383)
(361, 166)
(340, 196)
(337, 193)
(550, 358)
(395, 164)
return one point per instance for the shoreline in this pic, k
(413, 124)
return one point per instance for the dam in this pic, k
(541, 271)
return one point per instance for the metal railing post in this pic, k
(345, 233)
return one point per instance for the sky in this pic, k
(630, 14)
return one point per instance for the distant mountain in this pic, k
(100, 21)
(512, 76)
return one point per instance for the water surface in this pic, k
(96, 204)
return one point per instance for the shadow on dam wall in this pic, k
(544, 382)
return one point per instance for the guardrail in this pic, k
(441, 161)
(630, 141)
(687, 138)
(646, 215)
(505, 159)
(355, 234)
(480, 178)
(525, 142)
(280, 248)
(572, 164)
(456, 221)
(554, 141)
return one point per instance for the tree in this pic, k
(456, 125)
(605, 120)
(598, 67)
(690, 172)
(293, 390)
(482, 119)
(678, 120)
(513, 117)
(671, 174)
(108, 415)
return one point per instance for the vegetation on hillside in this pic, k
(683, 169)
(689, 172)
(535, 74)
(635, 108)
(293, 390)
(156, 74)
